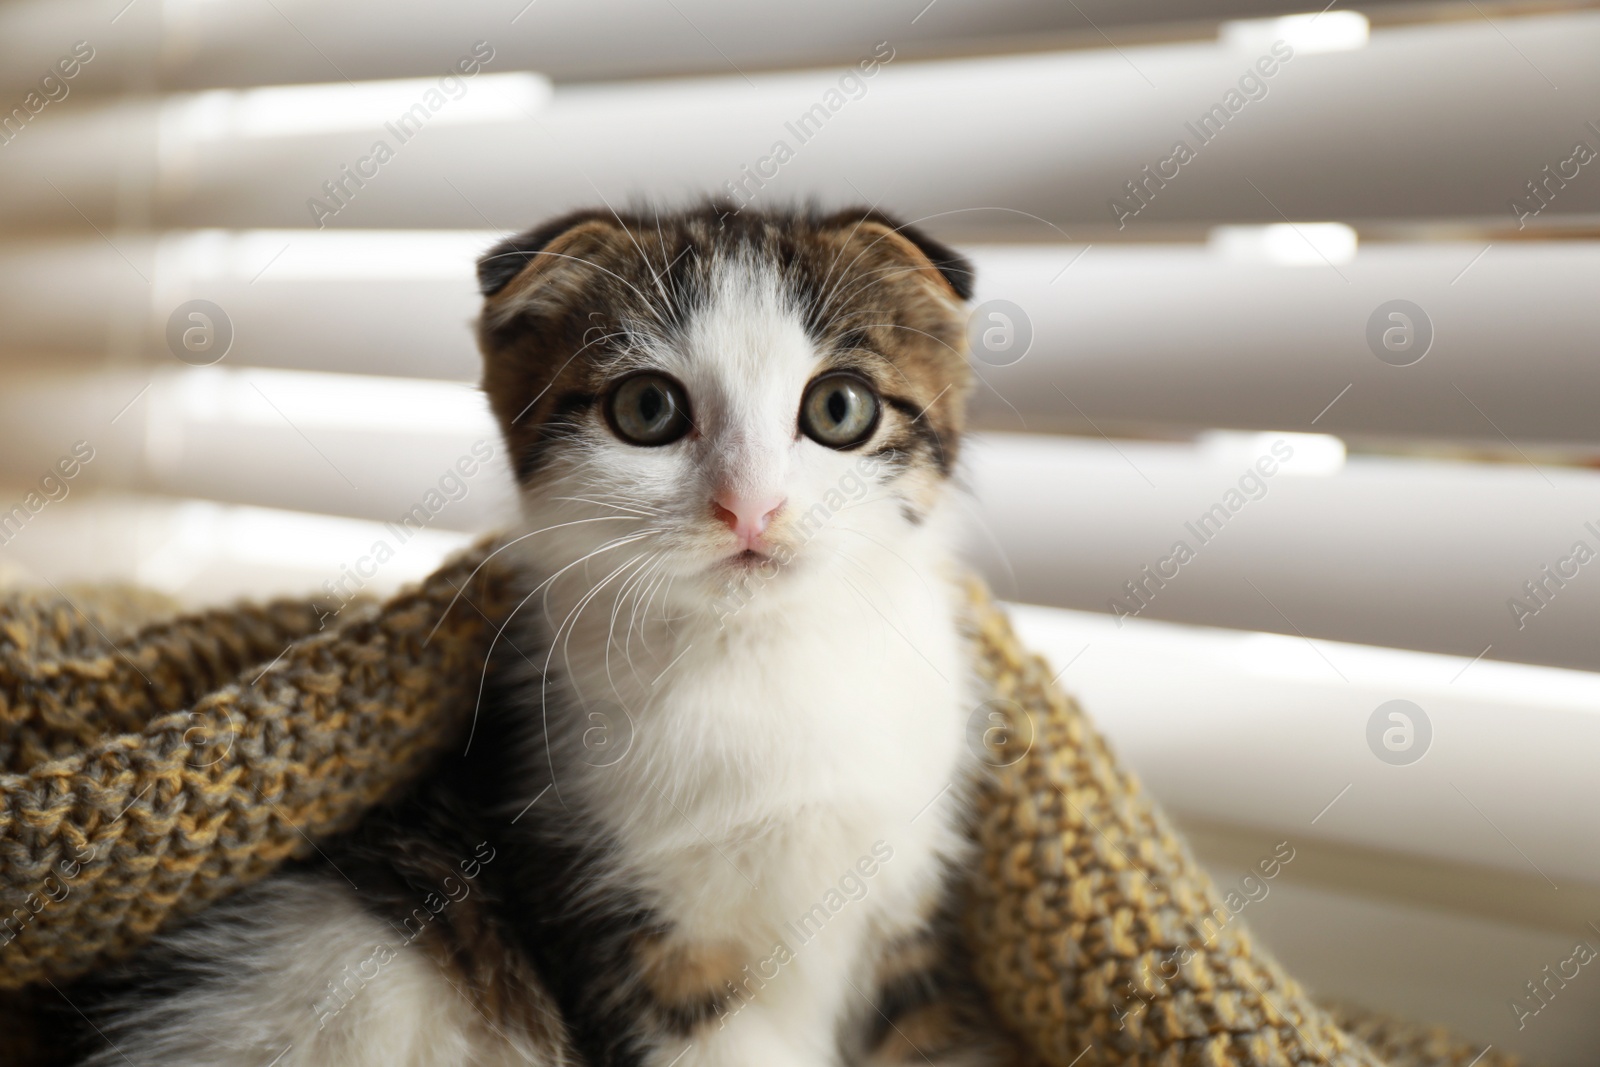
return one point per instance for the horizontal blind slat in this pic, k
(1357, 136)
(1239, 344)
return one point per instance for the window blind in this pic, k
(1285, 337)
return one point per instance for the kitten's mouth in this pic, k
(762, 562)
(746, 562)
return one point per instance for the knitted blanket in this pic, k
(148, 768)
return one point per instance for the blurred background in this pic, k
(1311, 293)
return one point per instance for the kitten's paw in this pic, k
(750, 1040)
(934, 1034)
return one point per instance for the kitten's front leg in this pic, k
(929, 1010)
(752, 1038)
(712, 1010)
(688, 984)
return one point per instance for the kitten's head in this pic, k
(711, 396)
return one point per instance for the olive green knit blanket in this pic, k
(148, 768)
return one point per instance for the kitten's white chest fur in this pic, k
(816, 736)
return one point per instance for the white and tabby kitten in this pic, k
(716, 793)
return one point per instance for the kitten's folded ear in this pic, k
(951, 266)
(539, 254)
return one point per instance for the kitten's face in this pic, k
(714, 399)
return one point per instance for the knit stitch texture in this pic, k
(152, 763)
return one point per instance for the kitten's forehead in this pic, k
(749, 328)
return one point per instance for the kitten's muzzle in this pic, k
(746, 516)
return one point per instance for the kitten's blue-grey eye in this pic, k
(839, 410)
(648, 409)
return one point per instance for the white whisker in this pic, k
(483, 562)
(488, 655)
(616, 608)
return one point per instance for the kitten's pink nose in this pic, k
(747, 517)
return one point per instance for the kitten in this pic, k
(715, 797)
